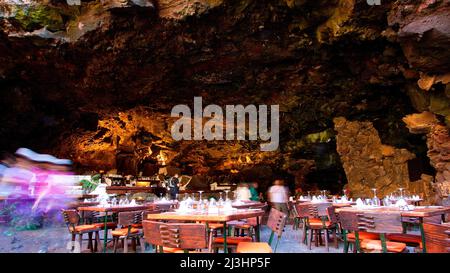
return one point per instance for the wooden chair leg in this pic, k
(133, 244)
(336, 244)
(142, 244)
(325, 236)
(311, 231)
(90, 246)
(80, 240)
(125, 245)
(115, 243)
(210, 249)
(98, 243)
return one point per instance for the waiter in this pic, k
(174, 186)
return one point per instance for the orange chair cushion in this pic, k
(405, 238)
(243, 226)
(85, 228)
(136, 225)
(253, 247)
(108, 225)
(363, 236)
(317, 223)
(124, 231)
(175, 250)
(215, 225)
(376, 245)
(232, 240)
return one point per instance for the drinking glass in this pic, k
(226, 195)
(401, 192)
(376, 201)
(200, 195)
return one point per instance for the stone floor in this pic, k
(55, 239)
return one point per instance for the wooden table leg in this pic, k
(225, 247)
(258, 226)
(422, 235)
(105, 236)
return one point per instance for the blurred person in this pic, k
(254, 191)
(242, 192)
(278, 196)
(174, 186)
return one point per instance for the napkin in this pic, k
(401, 203)
(359, 203)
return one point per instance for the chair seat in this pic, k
(85, 228)
(363, 236)
(175, 250)
(215, 225)
(253, 247)
(109, 225)
(405, 238)
(136, 225)
(233, 240)
(376, 245)
(124, 231)
(317, 223)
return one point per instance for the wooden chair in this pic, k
(276, 222)
(297, 220)
(350, 232)
(247, 227)
(72, 220)
(95, 218)
(127, 231)
(437, 237)
(319, 221)
(303, 213)
(175, 237)
(379, 223)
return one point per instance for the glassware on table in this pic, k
(200, 195)
(376, 201)
(226, 194)
(401, 192)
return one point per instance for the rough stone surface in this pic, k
(370, 164)
(439, 153)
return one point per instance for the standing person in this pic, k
(279, 196)
(254, 191)
(242, 192)
(174, 186)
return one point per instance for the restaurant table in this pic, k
(247, 205)
(107, 210)
(221, 217)
(418, 212)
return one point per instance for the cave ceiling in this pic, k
(96, 80)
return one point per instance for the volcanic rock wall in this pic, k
(370, 164)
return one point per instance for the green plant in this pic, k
(90, 185)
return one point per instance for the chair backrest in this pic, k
(318, 210)
(332, 215)
(348, 220)
(175, 235)
(127, 218)
(277, 221)
(380, 222)
(437, 237)
(302, 209)
(147, 212)
(71, 216)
